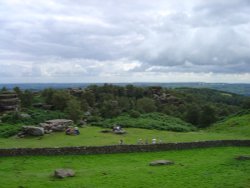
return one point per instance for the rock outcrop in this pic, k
(57, 125)
(31, 131)
(8, 102)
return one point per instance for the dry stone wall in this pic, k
(120, 148)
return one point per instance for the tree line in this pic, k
(200, 107)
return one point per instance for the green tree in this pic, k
(208, 116)
(89, 96)
(73, 110)
(26, 98)
(4, 89)
(146, 105)
(18, 91)
(193, 115)
(124, 104)
(48, 95)
(110, 109)
(84, 105)
(60, 99)
(246, 103)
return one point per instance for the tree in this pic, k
(246, 103)
(26, 98)
(124, 104)
(18, 91)
(4, 89)
(208, 116)
(48, 95)
(110, 109)
(89, 96)
(73, 110)
(84, 105)
(193, 115)
(60, 99)
(146, 105)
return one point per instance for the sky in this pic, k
(56, 41)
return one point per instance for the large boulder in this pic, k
(62, 173)
(161, 162)
(32, 131)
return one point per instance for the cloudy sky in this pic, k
(124, 41)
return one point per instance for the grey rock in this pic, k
(47, 131)
(120, 132)
(63, 173)
(243, 157)
(161, 162)
(25, 115)
(57, 124)
(58, 128)
(64, 122)
(82, 123)
(105, 131)
(33, 131)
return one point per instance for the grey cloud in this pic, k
(212, 35)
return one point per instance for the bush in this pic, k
(149, 121)
(146, 105)
(7, 130)
(134, 114)
(37, 116)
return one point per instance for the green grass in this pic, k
(91, 136)
(154, 120)
(206, 168)
(236, 127)
(239, 124)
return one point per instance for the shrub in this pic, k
(7, 130)
(134, 114)
(148, 121)
(37, 116)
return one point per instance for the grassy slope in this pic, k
(238, 125)
(93, 136)
(193, 168)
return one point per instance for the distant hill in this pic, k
(238, 125)
(242, 89)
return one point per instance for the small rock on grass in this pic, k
(161, 162)
(243, 157)
(63, 173)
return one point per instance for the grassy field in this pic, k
(213, 167)
(91, 136)
(237, 127)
